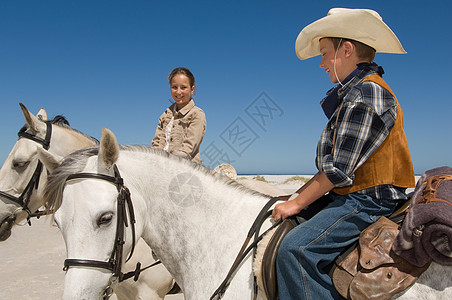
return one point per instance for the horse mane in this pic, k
(76, 161)
(198, 167)
(61, 121)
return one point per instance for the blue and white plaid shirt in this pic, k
(367, 115)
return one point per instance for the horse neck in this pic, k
(191, 217)
(65, 141)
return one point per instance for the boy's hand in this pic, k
(285, 209)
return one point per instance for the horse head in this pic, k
(17, 170)
(92, 218)
(23, 174)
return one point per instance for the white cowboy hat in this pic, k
(362, 25)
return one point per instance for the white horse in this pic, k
(193, 219)
(17, 172)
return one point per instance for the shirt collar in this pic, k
(337, 93)
(184, 110)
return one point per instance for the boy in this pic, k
(362, 155)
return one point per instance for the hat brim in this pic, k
(361, 25)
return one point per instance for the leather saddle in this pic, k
(268, 270)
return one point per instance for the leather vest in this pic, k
(390, 163)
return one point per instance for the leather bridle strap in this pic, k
(24, 199)
(88, 263)
(263, 214)
(114, 263)
(44, 142)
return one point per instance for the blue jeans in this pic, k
(311, 246)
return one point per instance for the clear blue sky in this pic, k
(105, 64)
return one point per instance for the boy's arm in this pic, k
(315, 188)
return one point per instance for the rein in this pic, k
(24, 199)
(254, 230)
(115, 261)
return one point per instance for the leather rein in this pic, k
(24, 199)
(115, 261)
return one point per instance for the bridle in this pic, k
(115, 261)
(24, 199)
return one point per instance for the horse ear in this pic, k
(42, 114)
(49, 160)
(33, 122)
(108, 150)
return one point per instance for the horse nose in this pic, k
(5, 227)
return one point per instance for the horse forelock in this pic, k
(71, 164)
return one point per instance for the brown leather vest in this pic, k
(390, 163)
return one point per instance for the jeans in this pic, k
(313, 245)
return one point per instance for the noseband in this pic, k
(115, 261)
(24, 199)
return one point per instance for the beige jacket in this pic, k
(189, 127)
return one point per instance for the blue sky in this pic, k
(105, 64)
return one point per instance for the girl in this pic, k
(182, 126)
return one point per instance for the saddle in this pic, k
(266, 278)
(367, 270)
(268, 268)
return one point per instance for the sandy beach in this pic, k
(33, 256)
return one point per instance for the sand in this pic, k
(32, 262)
(33, 257)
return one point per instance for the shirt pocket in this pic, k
(183, 124)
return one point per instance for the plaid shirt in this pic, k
(367, 114)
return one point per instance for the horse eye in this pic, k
(20, 164)
(105, 219)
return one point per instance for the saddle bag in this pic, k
(372, 270)
(426, 232)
